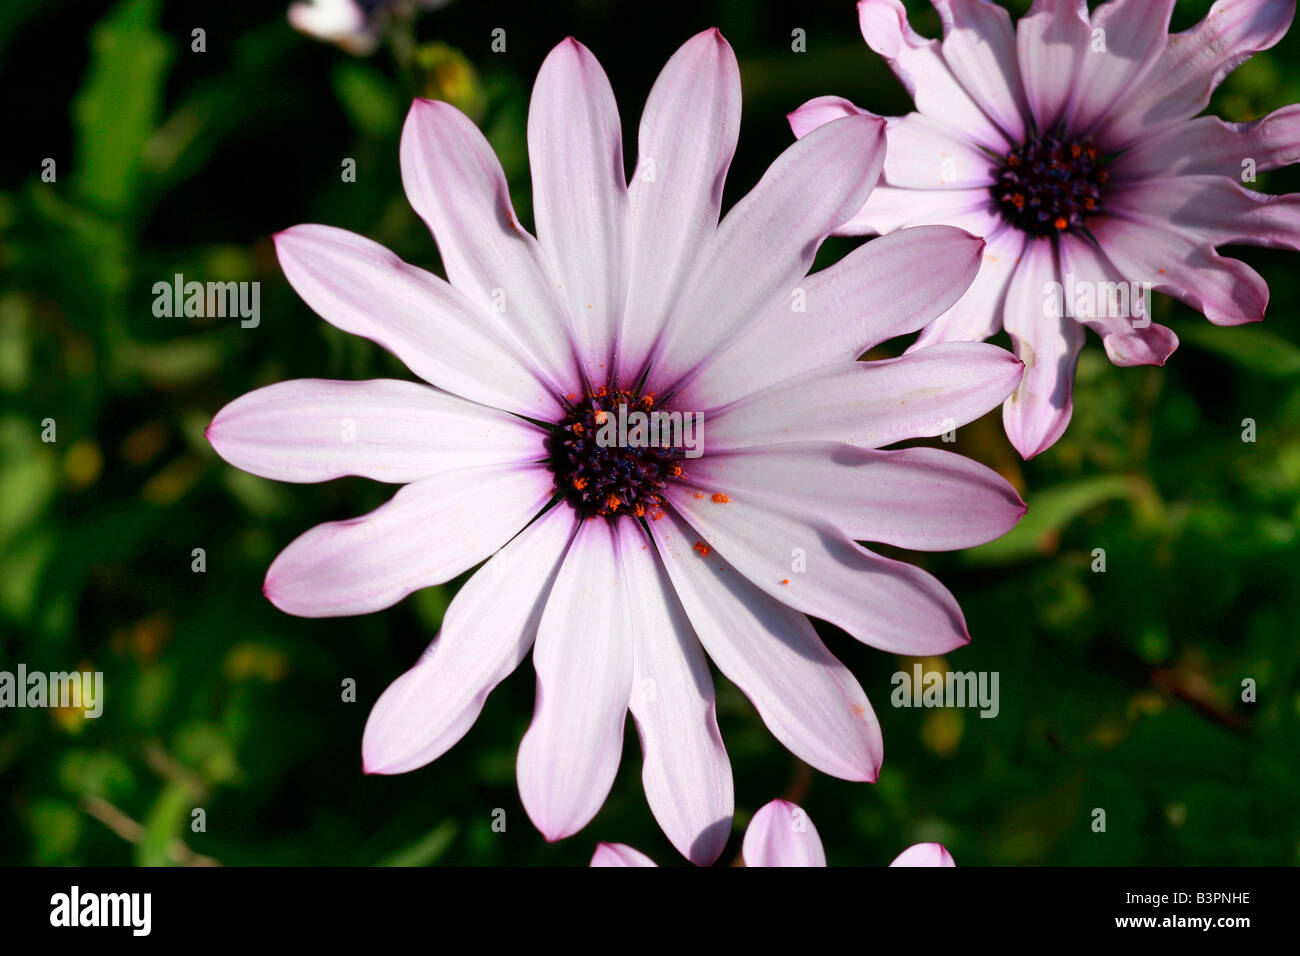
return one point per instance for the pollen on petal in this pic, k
(702, 549)
(720, 499)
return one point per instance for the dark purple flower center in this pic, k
(602, 470)
(1050, 185)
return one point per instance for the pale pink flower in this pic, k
(629, 564)
(780, 834)
(1069, 143)
(357, 26)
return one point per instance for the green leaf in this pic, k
(426, 850)
(368, 97)
(1250, 347)
(1050, 511)
(118, 105)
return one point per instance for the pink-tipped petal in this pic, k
(924, 854)
(483, 639)
(575, 148)
(1227, 291)
(315, 430)
(767, 242)
(1052, 41)
(1112, 306)
(584, 657)
(619, 854)
(883, 289)
(431, 531)
(687, 138)
(1131, 38)
(978, 314)
(919, 63)
(1193, 64)
(437, 332)
(454, 181)
(781, 834)
(686, 773)
(979, 46)
(1209, 146)
(815, 568)
(924, 499)
(809, 700)
(872, 404)
(1039, 410)
(1215, 209)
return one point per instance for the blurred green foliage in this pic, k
(1120, 690)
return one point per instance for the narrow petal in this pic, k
(1134, 34)
(437, 332)
(575, 148)
(314, 430)
(924, 854)
(619, 854)
(1193, 64)
(919, 64)
(872, 404)
(979, 46)
(1215, 209)
(1209, 146)
(924, 499)
(431, 531)
(978, 314)
(809, 700)
(686, 141)
(1117, 311)
(584, 658)
(815, 568)
(1036, 415)
(483, 639)
(1052, 41)
(782, 835)
(1227, 291)
(768, 240)
(454, 181)
(686, 775)
(885, 288)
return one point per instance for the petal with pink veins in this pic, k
(919, 64)
(429, 532)
(979, 46)
(1130, 338)
(885, 288)
(923, 499)
(1039, 410)
(1134, 34)
(575, 149)
(686, 773)
(816, 568)
(1052, 41)
(454, 181)
(872, 404)
(767, 242)
(686, 141)
(439, 333)
(483, 639)
(312, 429)
(584, 657)
(780, 834)
(1193, 64)
(809, 700)
(1209, 146)
(1227, 291)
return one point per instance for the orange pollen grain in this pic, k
(702, 549)
(720, 499)
(1061, 222)
(785, 580)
